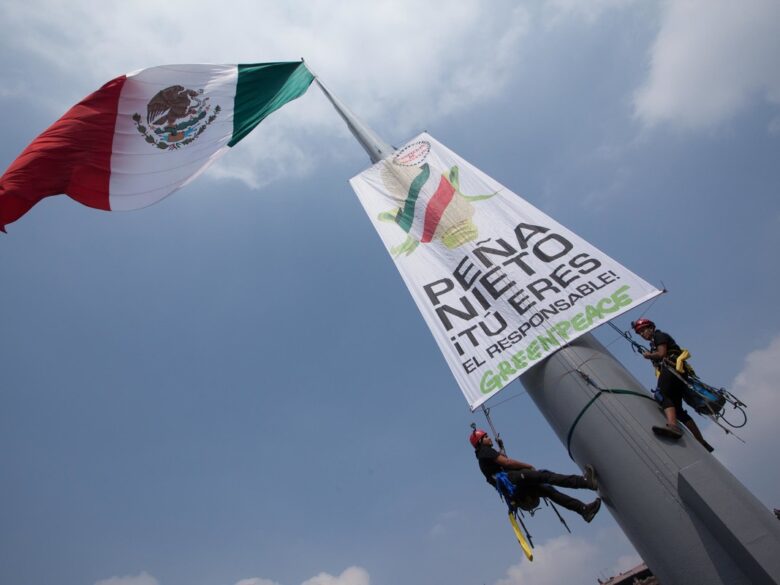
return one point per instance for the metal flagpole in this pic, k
(688, 517)
(376, 148)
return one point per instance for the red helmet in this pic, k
(476, 437)
(640, 324)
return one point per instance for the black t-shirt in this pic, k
(660, 338)
(486, 456)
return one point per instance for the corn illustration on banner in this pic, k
(500, 284)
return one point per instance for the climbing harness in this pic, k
(705, 399)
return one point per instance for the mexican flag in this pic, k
(146, 134)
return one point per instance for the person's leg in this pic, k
(587, 511)
(685, 418)
(564, 500)
(697, 434)
(677, 391)
(667, 386)
(670, 396)
(534, 477)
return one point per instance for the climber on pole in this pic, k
(529, 484)
(664, 352)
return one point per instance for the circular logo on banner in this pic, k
(412, 154)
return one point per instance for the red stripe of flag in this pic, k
(439, 202)
(73, 156)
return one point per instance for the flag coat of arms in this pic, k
(500, 284)
(146, 134)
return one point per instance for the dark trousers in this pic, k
(539, 482)
(672, 390)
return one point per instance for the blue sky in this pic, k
(234, 386)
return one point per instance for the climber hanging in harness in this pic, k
(672, 383)
(678, 381)
(705, 399)
(522, 486)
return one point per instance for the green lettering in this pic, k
(579, 323)
(603, 309)
(489, 382)
(549, 341)
(592, 313)
(519, 361)
(562, 329)
(534, 351)
(621, 299)
(505, 370)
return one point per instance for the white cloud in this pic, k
(142, 579)
(560, 560)
(276, 151)
(709, 60)
(256, 581)
(351, 576)
(587, 10)
(575, 560)
(754, 462)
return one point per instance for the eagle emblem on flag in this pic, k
(175, 117)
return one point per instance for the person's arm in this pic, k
(509, 463)
(658, 354)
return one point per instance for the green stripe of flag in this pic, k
(263, 88)
(406, 217)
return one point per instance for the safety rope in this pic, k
(592, 400)
(499, 441)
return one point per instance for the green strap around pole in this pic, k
(592, 400)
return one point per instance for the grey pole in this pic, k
(688, 517)
(691, 521)
(376, 148)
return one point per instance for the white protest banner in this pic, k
(500, 284)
